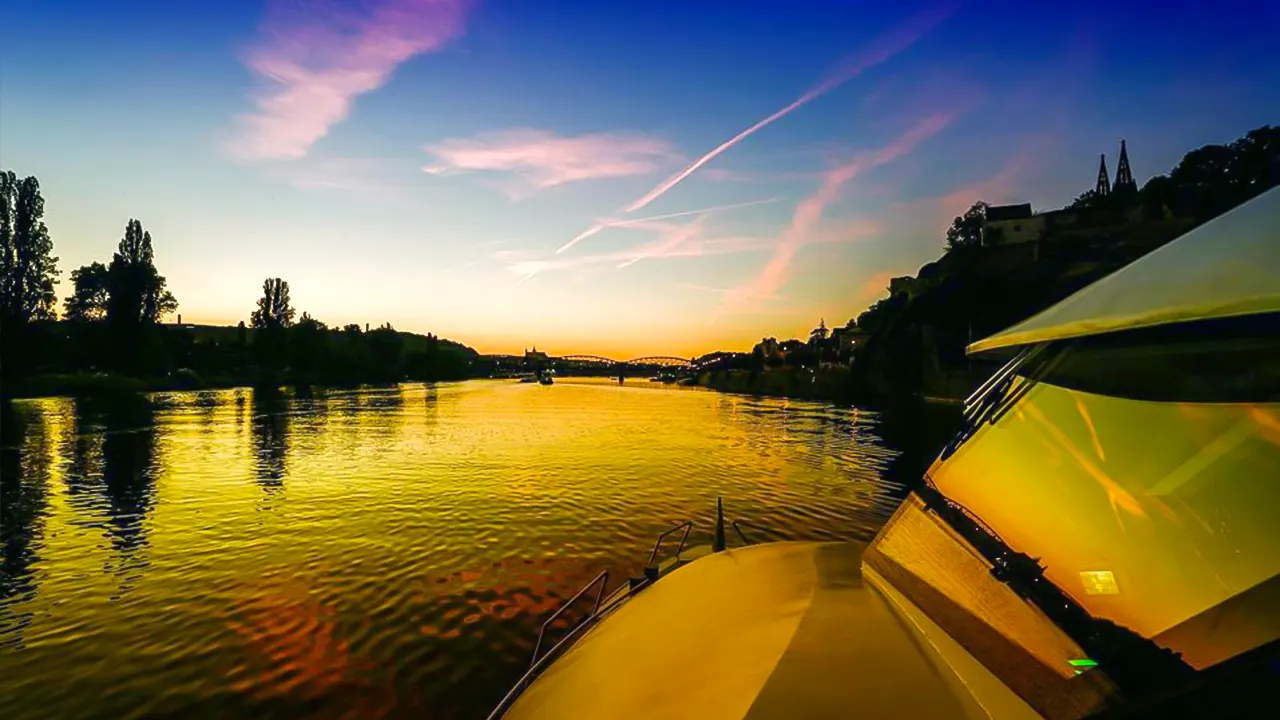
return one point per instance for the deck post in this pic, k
(718, 544)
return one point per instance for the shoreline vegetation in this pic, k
(908, 347)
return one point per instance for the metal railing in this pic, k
(739, 524)
(687, 525)
(603, 580)
(536, 667)
(602, 606)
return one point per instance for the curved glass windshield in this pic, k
(1158, 516)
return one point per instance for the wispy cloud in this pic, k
(879, 52)
(808, 213)
(875, 286)
(367, 178)
(674, 239)
(318, 57)
(724, 175)
(616, 222)
(663, 248)
(542, 159)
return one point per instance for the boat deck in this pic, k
(782, 630)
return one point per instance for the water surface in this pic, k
(383, 552)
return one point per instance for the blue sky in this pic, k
(422, 162)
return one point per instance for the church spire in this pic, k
(1103, 187)
(1124, 175)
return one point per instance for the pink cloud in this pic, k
(884, 48)
(318, 57)
(723, 175)
(1004, 186)
(875, 286)
(808, 213)
(543, 159)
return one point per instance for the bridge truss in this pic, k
(647, 361)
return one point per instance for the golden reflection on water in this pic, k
(1147, 513)
(382, 552)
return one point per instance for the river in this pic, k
(381, 552)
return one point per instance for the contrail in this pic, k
(887, 46)
(637, 221)
(673, 241)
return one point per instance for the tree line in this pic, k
(112, 323)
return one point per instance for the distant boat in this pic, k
(528, 379)
(545, 378)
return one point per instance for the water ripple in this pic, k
(378, 552)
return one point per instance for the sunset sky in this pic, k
(611, 177)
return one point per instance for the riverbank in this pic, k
(833, 384)
(85, 384)
(826, 384)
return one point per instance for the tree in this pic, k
(28, 269)
(1086, 199)
(308, 345)
(274, 310)
(387, 349)
(818, 335)
(1215, 178)
(966, 231)
(88, 300)
(137, 293)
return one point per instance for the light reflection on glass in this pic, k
(1148, 514)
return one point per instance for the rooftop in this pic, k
(1008, 212)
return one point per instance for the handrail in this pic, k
(525, 679)
(615, 598)
(602, 606)
(739, 524)
(687, 525)
(603, 579)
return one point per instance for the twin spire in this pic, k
(1124, 176)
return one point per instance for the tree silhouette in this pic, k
(966, 231)
(28, 269)
(274, 310)
(387, 349)
(88, 299)
(308, 344)
(136, 291)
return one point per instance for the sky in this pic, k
(616, 178)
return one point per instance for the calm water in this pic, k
(383, 552)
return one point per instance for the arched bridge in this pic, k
(647, 361)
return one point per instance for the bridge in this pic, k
(647, 361)
(589, 364)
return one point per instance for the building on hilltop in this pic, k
(905, 284)
(1124, 185)
(1011, 224)
(846, 339)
